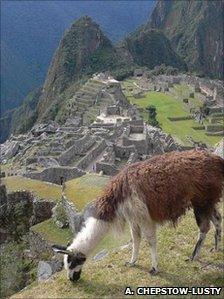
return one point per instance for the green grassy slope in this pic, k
(85, 189)
(39, 188)
(80, 191)
(109, 277)
(172, 106)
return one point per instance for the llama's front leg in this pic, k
(136, 239)
(150, 234)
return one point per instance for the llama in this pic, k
(147, 194)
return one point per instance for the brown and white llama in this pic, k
(147, 194)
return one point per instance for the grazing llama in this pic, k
(149, 193)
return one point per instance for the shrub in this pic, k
(152, 116)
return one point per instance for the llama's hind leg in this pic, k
(150, 234)
(136, 239)
(203, 222)
(216, 220)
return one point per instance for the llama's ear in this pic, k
(60, 249)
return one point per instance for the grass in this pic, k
(169, 106)
(109, 277)
(183, 91)
(80, 191)
(85, 189)
(51, 233)
(39, 188)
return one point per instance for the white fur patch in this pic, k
(90, 235)
(134, 211)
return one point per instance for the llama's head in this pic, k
(73, 261)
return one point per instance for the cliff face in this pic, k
(195, 29)
(83, 50)
(149, 47)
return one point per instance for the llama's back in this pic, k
(167, 185)
(170, 184)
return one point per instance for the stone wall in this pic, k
(112, 110)
(23, 208)
(54, 174)
(133, 158)
(92, 155)
(106, 168)
(42, 210)
(140, 145)
(124, 151)
(75, 218)
(79, 146)
(109, 155)
(136, 129)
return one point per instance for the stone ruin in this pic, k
(115, 137)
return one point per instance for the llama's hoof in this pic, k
(130, 264)
(153, 271)
(215, 249)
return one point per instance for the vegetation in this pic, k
(85, 189)
(22, 118)
(184, 22)
(51, 233)
(168, 105)
(16, 268)
(80, 191)
(174, 247)
(163, 70)
(151, 48)
(39, 188)
(152, 116)
(16, 220)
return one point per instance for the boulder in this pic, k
(47, 268)
(42, 210)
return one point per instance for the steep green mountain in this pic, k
(25, 115)
(20, 119)
(31, 31)
(149, 47)
(83, 51)
(195, 29)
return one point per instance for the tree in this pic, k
(152, 116)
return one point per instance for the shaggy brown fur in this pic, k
(168, 184)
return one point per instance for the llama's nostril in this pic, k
(75, 276)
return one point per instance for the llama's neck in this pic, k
(90, 235)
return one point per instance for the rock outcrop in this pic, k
(19, 211)
(195, 29)
(149, 47)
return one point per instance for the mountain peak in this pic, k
(83, 51)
